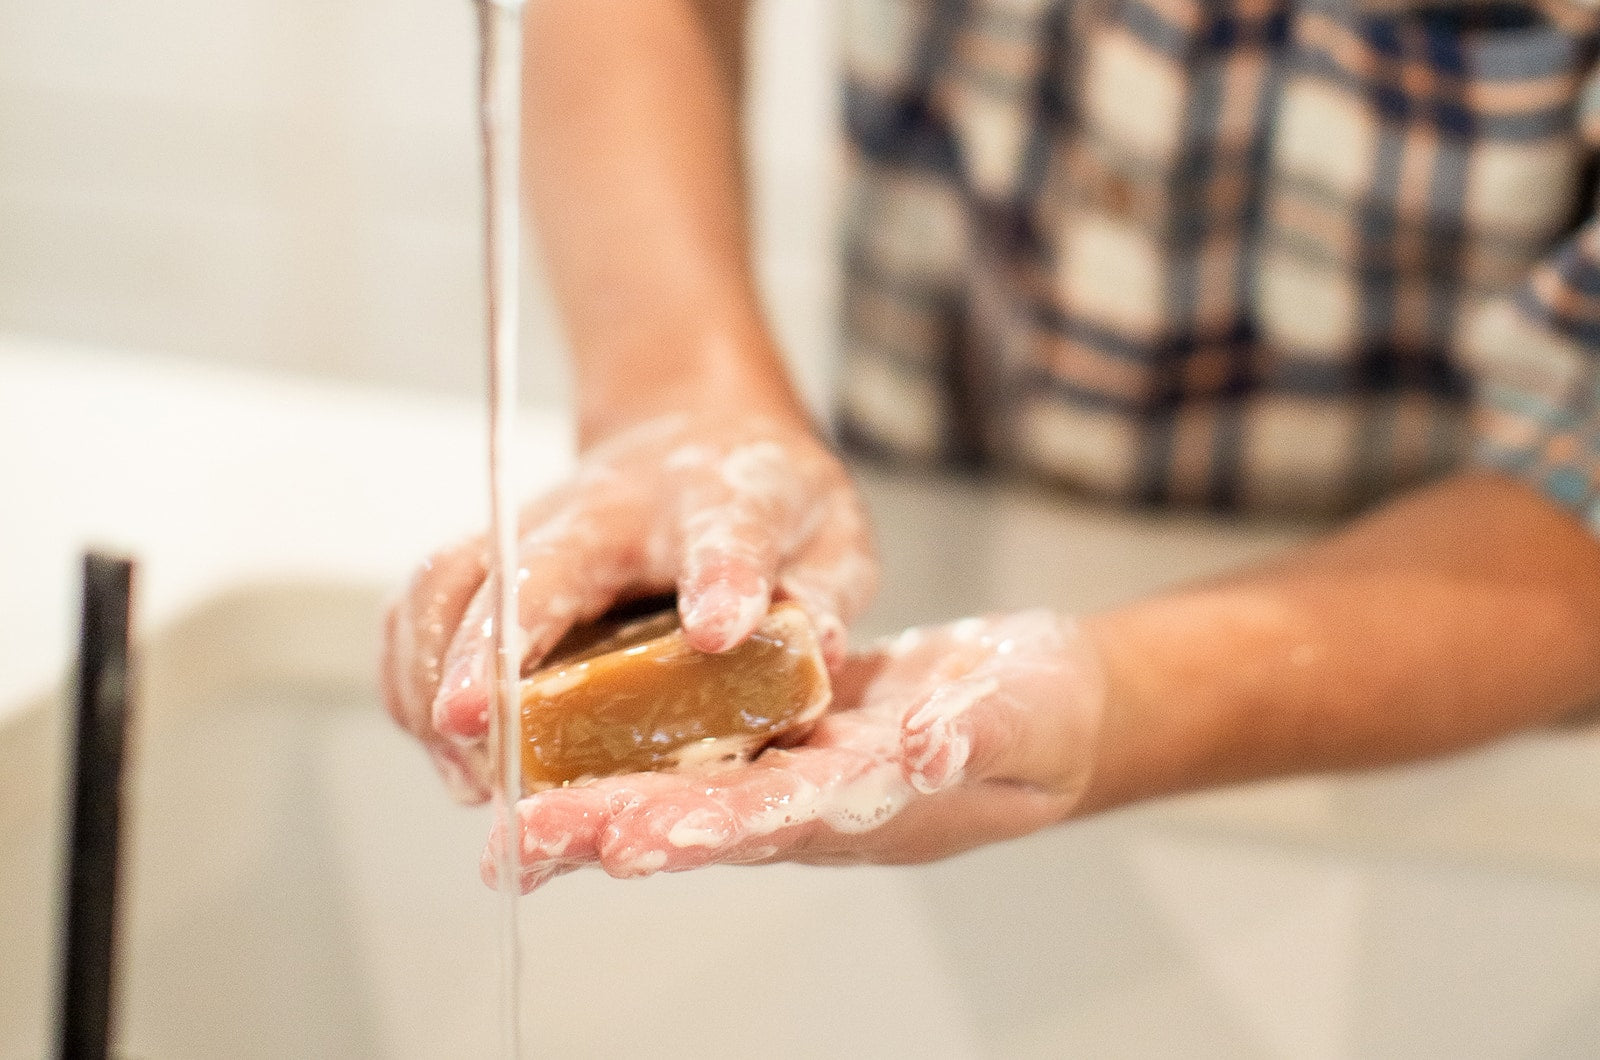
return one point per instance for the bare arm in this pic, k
(711, 481)
(1464, 612)
(634, 173)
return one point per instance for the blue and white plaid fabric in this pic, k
(1235, 253)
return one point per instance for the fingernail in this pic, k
(715, 603)
(529, 880)
(718, 615)
(461, 710)
(534, 879)
(489, 866)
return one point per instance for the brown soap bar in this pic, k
(634, 696)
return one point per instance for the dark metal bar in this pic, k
(89, 934)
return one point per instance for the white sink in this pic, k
(298, 885)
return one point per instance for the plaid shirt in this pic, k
(1268, 254)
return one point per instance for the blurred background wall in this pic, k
(293, 185)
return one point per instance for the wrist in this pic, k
(1211, 686)
(1109, 784)
(1156, 717)
(714, 375)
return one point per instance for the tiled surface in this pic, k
(293, 185)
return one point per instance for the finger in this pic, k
(465, 771)
(572, 566)
(945, 680)
(777, 808)
(794, 805)
(553, 836)
(725, 588)
(419, 628)
(740, 517)
(416, 631)
(528, 880)
(833, 577)
(940, 731)
(558, 830)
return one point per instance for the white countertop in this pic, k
(214, 478)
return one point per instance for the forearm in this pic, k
(634, 176)
(1465, 612)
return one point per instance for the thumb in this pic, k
(1026, 714)
(958, 727)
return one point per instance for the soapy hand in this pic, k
(939, 740)
(730, 512)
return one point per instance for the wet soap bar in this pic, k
(634, 696)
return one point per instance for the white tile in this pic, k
(295, 185)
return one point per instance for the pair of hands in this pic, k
(937, 741)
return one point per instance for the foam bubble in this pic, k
(698, 828)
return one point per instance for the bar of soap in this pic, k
(634, 696)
